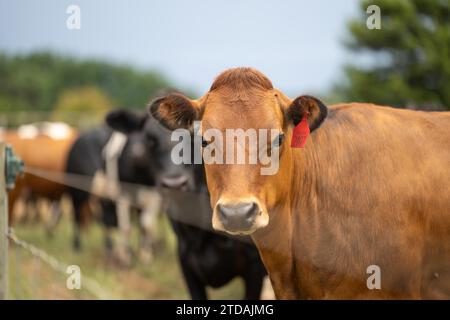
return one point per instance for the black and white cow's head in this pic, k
(150, 147)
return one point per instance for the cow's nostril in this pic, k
(238, 216)
(252, 210)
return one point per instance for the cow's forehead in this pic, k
(242, 111)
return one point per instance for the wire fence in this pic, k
(69, 180)
(60, 267)
(194, 206)
(136, 196)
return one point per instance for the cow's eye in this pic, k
(278, 141)
(204, 142)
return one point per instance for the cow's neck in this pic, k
(278, 243)
(275, 246)
(309, 229)
(306, 223)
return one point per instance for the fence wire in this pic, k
(190, 201)
(86, 283)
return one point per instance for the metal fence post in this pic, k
(3, 226)
(10, 167)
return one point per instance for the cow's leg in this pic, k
(79, 200)
(253, 281)
(13, 196)
(76, 242)
(117, 229)
(77, 227)
(146, 227)
(196, 287)
(147, 222)
(108, 241)
(30, 208)
(35, 209)
(109, 221)
(123, 221)
(55, 216)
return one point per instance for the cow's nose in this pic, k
(238, 216)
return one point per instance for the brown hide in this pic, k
(41, 152)
(370, 187)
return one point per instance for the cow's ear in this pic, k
(314, 110)
(175, 111)
(126, 121)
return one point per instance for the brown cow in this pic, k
(370, 187)
(44, 147)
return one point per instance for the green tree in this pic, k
(412, 55)
(31, 84)
(86, 105)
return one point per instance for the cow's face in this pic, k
(150, 148)
(243, 197)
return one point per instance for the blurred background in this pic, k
(125, 53)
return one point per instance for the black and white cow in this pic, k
(207, 258)
(103, 161)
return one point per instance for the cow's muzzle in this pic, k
(239, 217)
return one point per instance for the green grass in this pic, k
(29, 278)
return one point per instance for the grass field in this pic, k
(29, 278)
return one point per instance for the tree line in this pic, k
(58, 87)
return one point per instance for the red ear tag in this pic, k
(300, 133)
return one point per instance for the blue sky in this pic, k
(297, 43)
